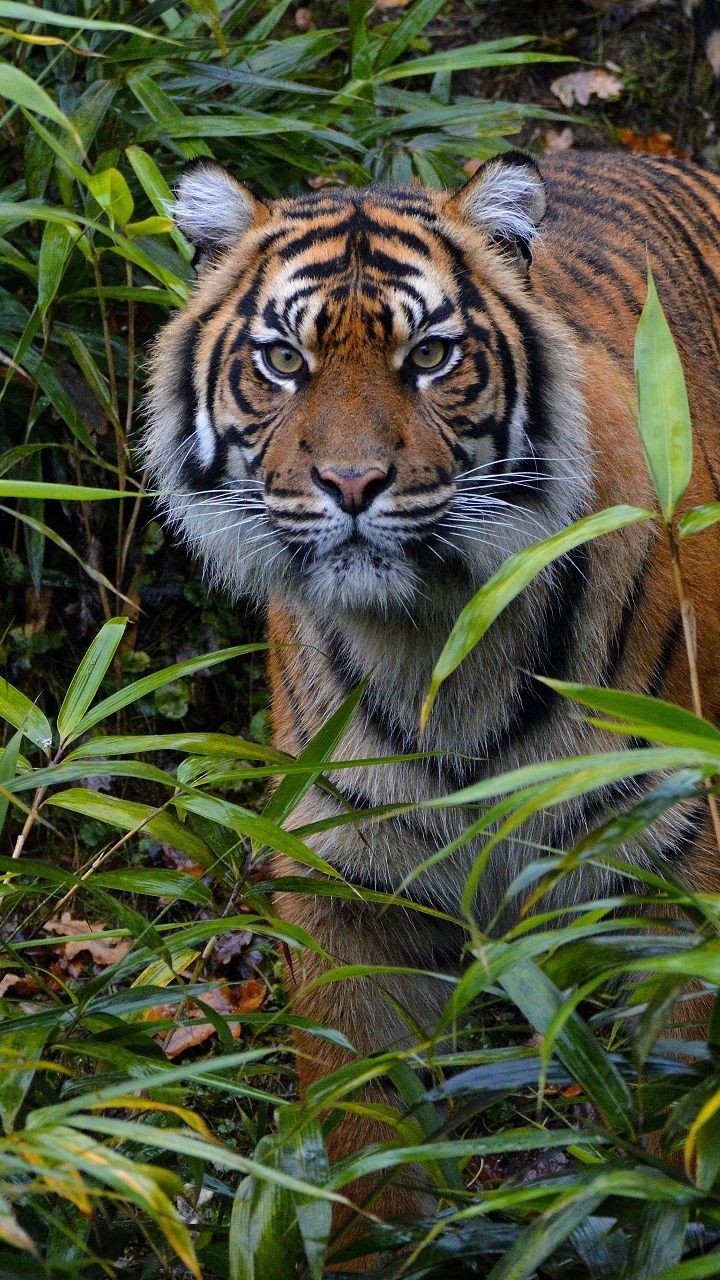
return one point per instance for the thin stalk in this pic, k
(687, 616)
(132, 522)
(121, 541)
(34, 812)
(103, 857)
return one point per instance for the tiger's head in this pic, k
(363, 406)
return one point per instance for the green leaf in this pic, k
(11, 1231)
(156, 883)
(659, 1240)
(221, 745)
(409, 27)
(63, 492)
(511, 578)
(694, 1269)
(699, 519)
(663, 410)
(55, 247)
(40, 527)
(18, 1053)
(257, 828)
(468, 58)
(113, 195)
(319, 751)
(141, 688)
(8, 767)
(88, 677)
(48, 17)
(95, 380)
(158, 192)
(127, 815)
(150, 227)
(643, 716)
(18, 87)
(539, 1000)
(540, 1240)
(24, 715)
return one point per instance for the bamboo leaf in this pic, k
(141, 688)
(511, 578)
(24, 715)
(113, 195)
(663, 410)
(40, 527)
(127, 815)
(18, 87)
(319, 751)
(699, 519)
(88, 677)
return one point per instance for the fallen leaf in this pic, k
(571, 1091)
(317, 182)
(231, 944)
(37, 610)
(559, 139)
(392, 4)
(581, 86)
(655, 144)
(304, 20)
(244, 998)
(20, 984)
(178, 861)
(105, 951)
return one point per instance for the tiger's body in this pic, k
(365, 494)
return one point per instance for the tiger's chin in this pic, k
(359, 577)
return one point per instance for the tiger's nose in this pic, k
(353, 491)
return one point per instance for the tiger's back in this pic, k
(610, 216)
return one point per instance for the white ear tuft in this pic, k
(505, 198)
(212, 209)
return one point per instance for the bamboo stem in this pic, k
(687, 617)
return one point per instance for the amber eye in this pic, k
(283, 358)
(429, 354)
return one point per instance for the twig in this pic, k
(687, 616)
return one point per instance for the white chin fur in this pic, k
(356, 577)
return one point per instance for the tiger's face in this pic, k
(359, 405)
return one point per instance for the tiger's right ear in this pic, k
(212, 209)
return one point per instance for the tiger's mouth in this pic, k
(368, 569)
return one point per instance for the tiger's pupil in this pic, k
(283, 359)
(430, 354)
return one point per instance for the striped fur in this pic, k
(526, 426)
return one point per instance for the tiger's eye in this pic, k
(429, 354)
(283, 358)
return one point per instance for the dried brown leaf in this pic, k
(231, 944)
(244, 998)
(559, 139)
(655, 144)
(105, 951)
(581, 86)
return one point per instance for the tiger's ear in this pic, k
(506, 199)
(212, 209)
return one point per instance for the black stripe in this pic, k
(534, 701)
(667, 653)
(618, 641)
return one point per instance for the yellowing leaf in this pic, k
(113, 195)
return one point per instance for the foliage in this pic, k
(531, 1105)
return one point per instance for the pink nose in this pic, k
(353, 490)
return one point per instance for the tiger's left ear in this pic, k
(506, 199)
(212, 209)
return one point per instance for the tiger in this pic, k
(375, 396)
